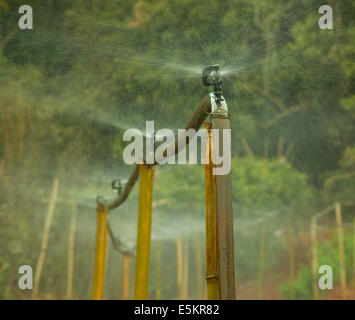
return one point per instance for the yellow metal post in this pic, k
(100, 254)
(143, 232)
(126, 275)
(211, 224)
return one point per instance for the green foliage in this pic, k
(301, 286)
(268, 184)
(328, 254)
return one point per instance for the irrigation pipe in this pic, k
(194, 122)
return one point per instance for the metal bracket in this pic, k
(215, 104)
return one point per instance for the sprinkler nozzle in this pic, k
(212, 77)
(117, 185)
(101, 200)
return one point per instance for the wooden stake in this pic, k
(143, 233)
(198, 268)
(186, 271)
(354, 248)
(224, 202)
(71, 242)
(179, 269)
(126, 276)
(341, 249)
(212, 285)
(45, 237)
(314, 258)
(291, 256)
(261, 261)
(158, 270)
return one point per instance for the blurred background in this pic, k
(91, 69)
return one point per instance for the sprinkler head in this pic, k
(101, 200)
(117, 185)
(212, 77)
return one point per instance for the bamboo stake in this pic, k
(179, 270)
(45, 237)
(143, 232)
(71, 242)
(314, 258)
(354, 248)
(341, 249)
(158, 270)
(186, 271)
(211, 224)
(291, 259)
(198, 268)
(126, 276)
(261, 261)
(224, 202)
(100, 253)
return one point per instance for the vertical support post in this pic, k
(261, 261)
(143, 232)
(314, 258)
(158, 270)
(341, 249)
(224, 202)
(126, 276)
(186, 271)
(179, 268)
(291, 256)
(198, 268)
(100, 253)
(354, 247)
(71, 242)
(212, 284)
(45, 237)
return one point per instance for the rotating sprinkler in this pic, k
(212, 77)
